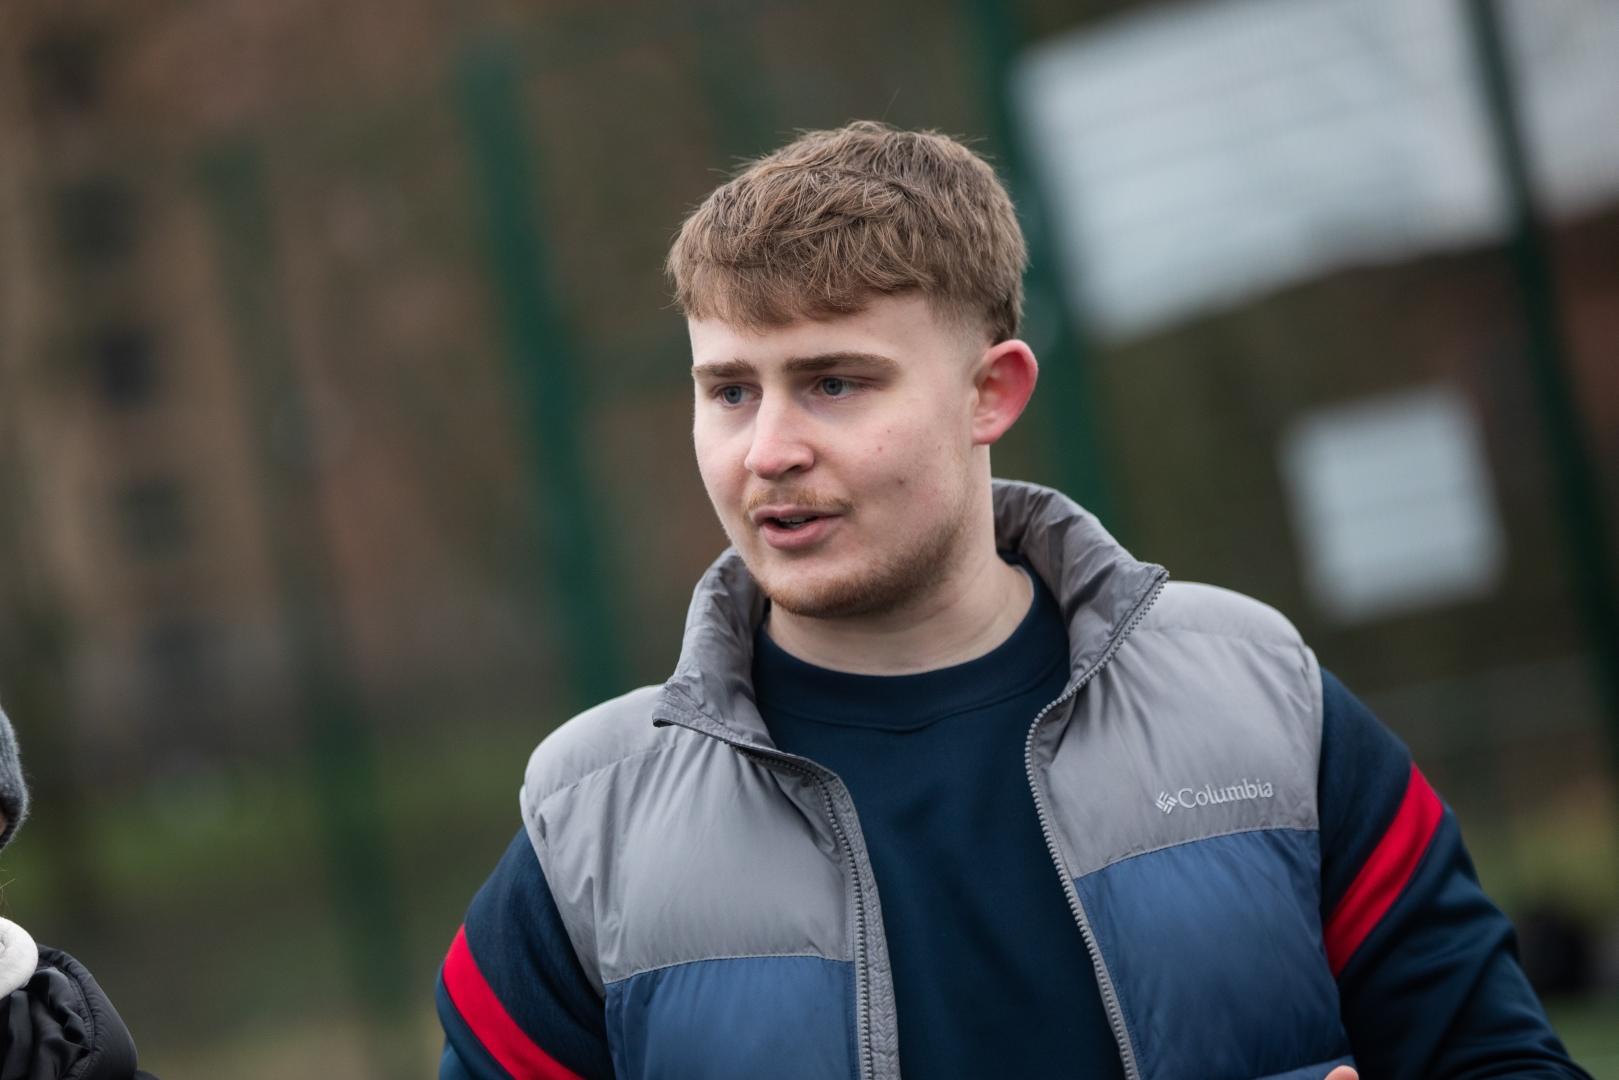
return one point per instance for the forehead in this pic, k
(906, 329)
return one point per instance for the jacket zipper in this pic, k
(821, 778)
(1110, 997)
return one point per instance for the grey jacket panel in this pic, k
(713, 680)
(1098, 585)
(1207, 721)
(595, 739)
(738, 859)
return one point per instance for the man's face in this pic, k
(839, 454)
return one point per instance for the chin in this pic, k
(819, 598)
(849, 592)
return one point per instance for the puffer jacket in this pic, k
(699, 903)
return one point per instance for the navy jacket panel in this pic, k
(1364, 771)
(519, 948)
(1434, 990)
(451, 1068)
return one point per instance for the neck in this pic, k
(971, 611)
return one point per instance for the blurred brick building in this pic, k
(137, 445)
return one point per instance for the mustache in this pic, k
(803, 498)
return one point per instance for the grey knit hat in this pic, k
(13, 792)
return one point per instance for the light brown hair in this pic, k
(832, 220)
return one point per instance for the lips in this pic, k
(789, 527)
(794, 523)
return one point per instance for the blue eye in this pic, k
(835, 387)
(731, 395)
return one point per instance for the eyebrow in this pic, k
(723, 369)
(798, 365)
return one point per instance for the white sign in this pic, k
(1392, 504)
(1198, 155)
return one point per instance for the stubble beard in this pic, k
(900, 578)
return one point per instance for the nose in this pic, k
(778, 447)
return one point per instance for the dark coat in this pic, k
(60, 1026)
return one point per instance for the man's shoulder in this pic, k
(1209, 609)
(596, 739)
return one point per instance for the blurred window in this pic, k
(125, 366)
(178, 657)
(1200, 155)
(1392, 504)
(97, 220)
(64, 68)
(152, 518)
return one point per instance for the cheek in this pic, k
(719, 462)
(934, 425)
(910, 459)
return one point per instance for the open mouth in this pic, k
(793, 523)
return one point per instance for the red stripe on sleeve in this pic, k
(487, 1017)
(1389, 867)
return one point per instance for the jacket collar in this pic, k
(1100, 588)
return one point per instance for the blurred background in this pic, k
(344, 424)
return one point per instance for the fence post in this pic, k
(1585, 525)
(1068, 403)
(287, 450)
(540, 348)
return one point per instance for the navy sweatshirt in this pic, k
(991, 976)
(991, 973)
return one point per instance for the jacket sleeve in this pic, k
(1427, 968)
(512, 998)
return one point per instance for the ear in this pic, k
(1004, 381)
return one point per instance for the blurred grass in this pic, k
(332, 1048)
(212, 930)
(1590, 1029)
(1563, 851)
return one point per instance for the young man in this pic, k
(945, 781)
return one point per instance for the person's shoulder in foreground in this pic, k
(55, 1021)
(1220, 864)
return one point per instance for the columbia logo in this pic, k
(1188, 798)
